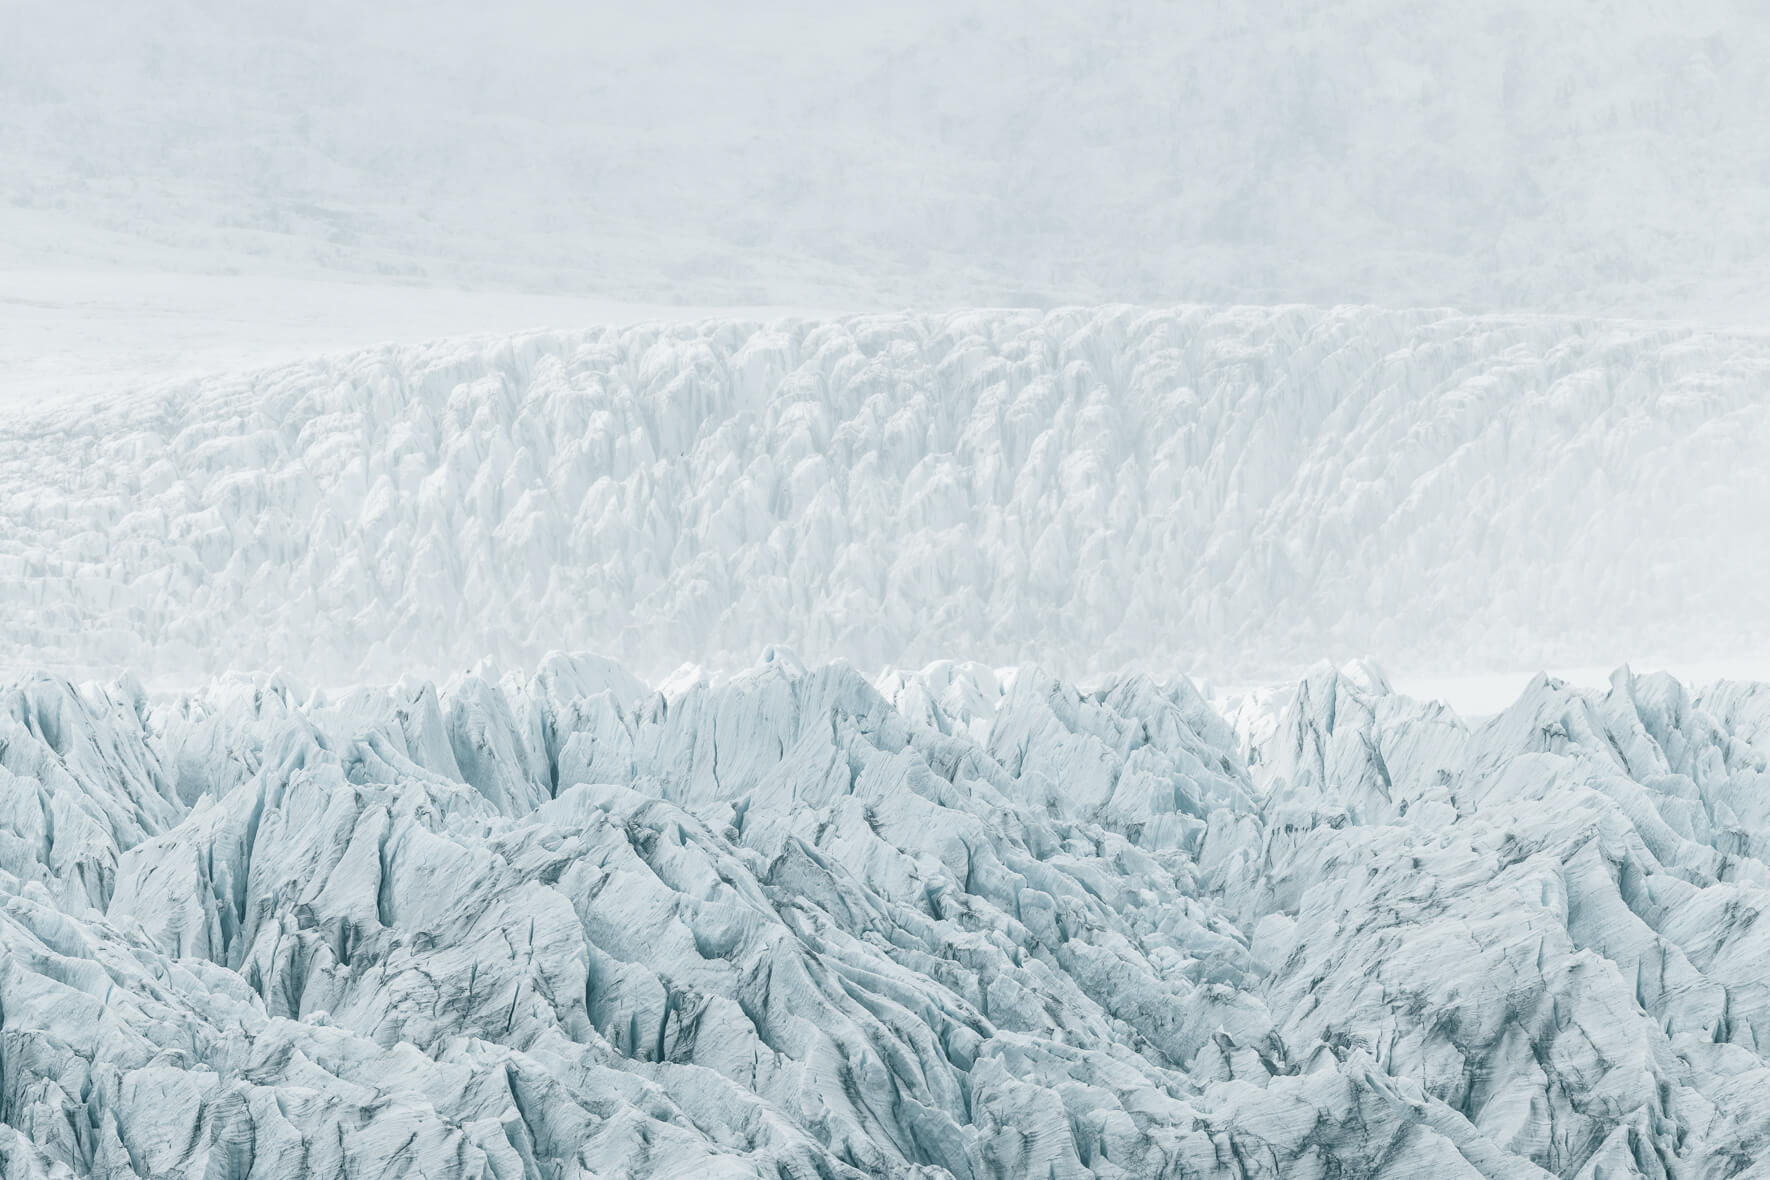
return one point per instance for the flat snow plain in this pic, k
(73, 334)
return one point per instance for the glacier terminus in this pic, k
(943, 590)
(957, 921)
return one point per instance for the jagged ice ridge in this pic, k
(956, 922)
(1233, 491)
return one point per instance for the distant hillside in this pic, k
(1504, 155)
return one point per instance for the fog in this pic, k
(1599, 159)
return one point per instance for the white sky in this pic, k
(1568, 156)
(192, 185)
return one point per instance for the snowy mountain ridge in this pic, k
(1233, 490)
(957, 923)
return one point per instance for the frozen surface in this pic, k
(1506, 154)
(77, 333)
(885, 839)
(1235, 491)
(960, 922)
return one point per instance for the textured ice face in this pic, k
(1233, 491)
(962, 922)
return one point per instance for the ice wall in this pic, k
(1233, 492)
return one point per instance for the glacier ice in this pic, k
(957, 921)
(1234, 491)
(887, 833)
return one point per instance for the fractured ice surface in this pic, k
(956, 922)
(1234, 491)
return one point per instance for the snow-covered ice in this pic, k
(1107, 532)
(961, 921)
(1235, 491)
(1500, 155)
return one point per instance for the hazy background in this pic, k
(1589, 157)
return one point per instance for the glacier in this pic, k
(959, 921)
(999, 592)
(1233, 491)
(889, 832)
